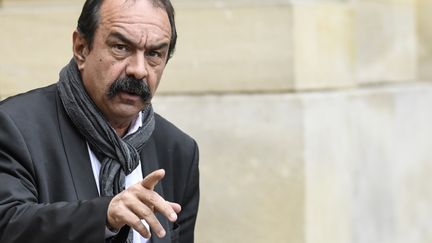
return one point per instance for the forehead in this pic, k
(135, 17)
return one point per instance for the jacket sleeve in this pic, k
(190, 203)
(23, 218)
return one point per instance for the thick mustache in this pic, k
(130, 85)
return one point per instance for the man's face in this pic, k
(130, 44)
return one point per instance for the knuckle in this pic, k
(137, 224)
(117, 220)
(132, 189)
(126, 194)
(146, 213)
(152, 198)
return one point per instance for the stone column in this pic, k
(424, 30)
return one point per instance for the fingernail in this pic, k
(173, 217)
(161, 233)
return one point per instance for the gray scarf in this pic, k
(118, 156)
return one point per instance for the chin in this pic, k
(131, 112)
(125, 111)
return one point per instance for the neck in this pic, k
(121, 126)
(121, 129)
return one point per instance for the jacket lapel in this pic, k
(82, 174)
(150, 163)
(77, 156)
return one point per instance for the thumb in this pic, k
(152, 179)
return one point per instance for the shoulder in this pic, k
(32, 112)
(31, 102)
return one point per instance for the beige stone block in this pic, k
(37, 45)
(8, 3)
(348, 138)
(366, 153)
(392, 136)
(386, 41)
(374, 191)
(251, 160)
(323, 46)
(424, 27)
(236, 48)
(327, 167)
(412, 165)
(387, 1)
(221, 48)
(232, 49)
(291, 46)
(328, 161)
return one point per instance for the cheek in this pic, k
(154, 80)
(114, 70)
(92, 89)
(100, 85)
(108, 73)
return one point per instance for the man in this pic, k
(86, 159)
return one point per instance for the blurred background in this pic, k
(314, 117)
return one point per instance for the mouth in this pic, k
(129, 97)
(130, 93)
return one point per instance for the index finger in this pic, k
(152, 179)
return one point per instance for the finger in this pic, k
(132, 210)
(144, 212)
(152, 199)
(177, 208)
(135, 222)
(152, 179)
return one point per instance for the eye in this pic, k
(120, 47)
(120, 50)
(154, 54)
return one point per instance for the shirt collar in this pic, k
(135, 125)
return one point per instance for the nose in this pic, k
(137, 66)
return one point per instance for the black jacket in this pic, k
(47, 188)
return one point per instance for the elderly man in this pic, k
(81, 160)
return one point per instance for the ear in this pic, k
(80, 49)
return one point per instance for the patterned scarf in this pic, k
(118, 156)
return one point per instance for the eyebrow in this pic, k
(124, 39)
(121, 38)
(159, 46)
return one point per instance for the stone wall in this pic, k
(313, 116)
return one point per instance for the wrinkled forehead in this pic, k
(135, 13)
(133, 8)
(155, 3)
